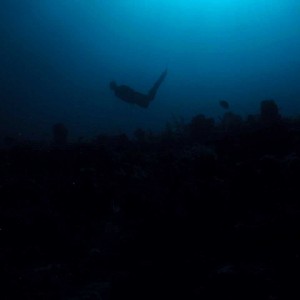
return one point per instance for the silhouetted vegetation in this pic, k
(204, 210)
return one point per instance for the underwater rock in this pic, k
(9, 141)
(60, 134)
(224, 104)
(200, 126)
(231, 122)
(269, 113)
(140, 135)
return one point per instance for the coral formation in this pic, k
(209, 213)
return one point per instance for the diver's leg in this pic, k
(152, 92)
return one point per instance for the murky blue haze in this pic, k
(58, 56)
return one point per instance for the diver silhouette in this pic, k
(129, 95)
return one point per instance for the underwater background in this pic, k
(194, 197)
(58, 57)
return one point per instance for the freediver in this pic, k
(129, 95)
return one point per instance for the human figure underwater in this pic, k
(129, 95)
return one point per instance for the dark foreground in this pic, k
(201, 211)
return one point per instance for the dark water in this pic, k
(58, 56)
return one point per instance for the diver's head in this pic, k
(113, 85)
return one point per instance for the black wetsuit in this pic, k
(129, 95)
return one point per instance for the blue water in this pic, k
(58, 56)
